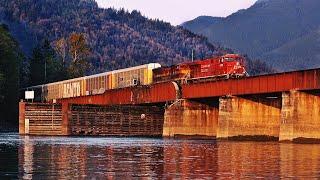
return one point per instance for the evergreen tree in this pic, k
(10, 59)
(37, 66)
(54, 67)
(45, 66)
(1, 85)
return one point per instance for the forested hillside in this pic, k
(282, 33)
(117, 38)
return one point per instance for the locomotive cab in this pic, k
(227, 59)
(232, 58)
(234, 65)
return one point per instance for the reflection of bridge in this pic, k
(282, 106)
(47, 158)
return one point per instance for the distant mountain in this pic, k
(303, 52)
(262, 1)
(283, 33)
(201, 23)
(117, 38)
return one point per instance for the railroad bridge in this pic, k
(282, 106)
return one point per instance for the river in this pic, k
(26, 157)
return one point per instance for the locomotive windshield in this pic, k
(229, 59)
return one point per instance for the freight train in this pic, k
(227, 66)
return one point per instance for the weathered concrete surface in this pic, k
(65, 128)
(190, 118)
(250, 118)
(300, 116)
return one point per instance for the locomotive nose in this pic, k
(239, 69)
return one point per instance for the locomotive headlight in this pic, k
(237, 66)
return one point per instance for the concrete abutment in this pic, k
(190, 118)
(300, 116)
(251, 117)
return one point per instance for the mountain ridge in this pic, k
(264, 27)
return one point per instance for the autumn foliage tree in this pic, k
(79, 52)
(75, 54)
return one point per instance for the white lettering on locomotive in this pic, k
(205, 65)
(205, 68)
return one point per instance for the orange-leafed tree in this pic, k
(78, 47)
(79, 51)
(75, 53)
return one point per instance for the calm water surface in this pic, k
(135, 158)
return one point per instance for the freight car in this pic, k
(227, 66)
(96, 84)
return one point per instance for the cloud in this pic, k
(179, 11)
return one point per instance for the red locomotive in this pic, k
(227, 66)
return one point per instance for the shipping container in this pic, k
(139, 75)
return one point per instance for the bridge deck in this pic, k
(163, 92)
(156, 93)
(273, 83)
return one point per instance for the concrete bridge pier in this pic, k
(255, 117)
(191, 118)
(22, 115)
(65, 110)
(300, 116)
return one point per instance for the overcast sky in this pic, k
(179, 11)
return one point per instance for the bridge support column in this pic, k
(300, 117)
(190, 118)
(252, 118)
(22, 111)
(65, 119)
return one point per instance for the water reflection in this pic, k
(300, 160)
(248, 160)
(26, 158)
(8, 161)
(191, 159)
(63, 161)
(132, 158)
